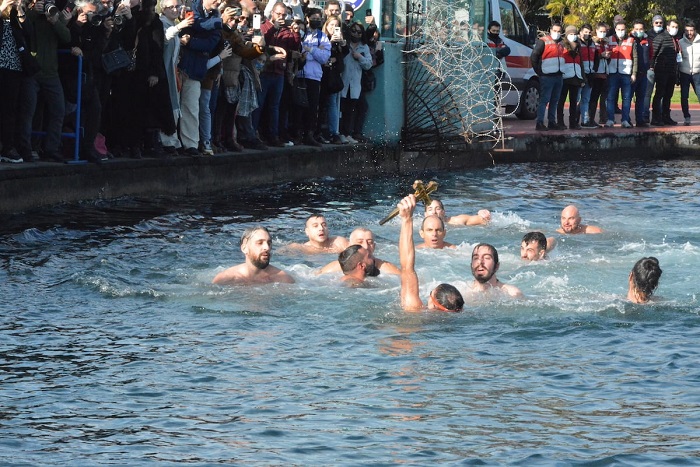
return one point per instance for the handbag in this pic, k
(115, 60)
(300, 96)
(369, 81)
(332, 80)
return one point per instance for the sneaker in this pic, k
(335, 139)
(686, 121)
(351, 140)
(626, 124)
(254, 144)
(207, 150)
(560, 126)
(360, 138)
(552, 126)
(642, 124)
(12, 157)
(276, 143)
(193, 152)
(310, 141)
(669, 121)
(657, 123)
(609, 124)
(589, 125)
(289, 144)
(54, 157)
(541, 127)
(343, 139)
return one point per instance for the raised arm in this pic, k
(481, 218)
(410, 300)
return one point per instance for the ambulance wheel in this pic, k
(529, 100)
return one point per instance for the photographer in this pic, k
(50, 32)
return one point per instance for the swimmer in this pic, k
(643, 280)
(571, 223)
(364, 237)
(433, 232)
(356, 265)
(484, 267)
(444, 297)
(535, 246)
(320, 240)
(256, 245)
(436, 208)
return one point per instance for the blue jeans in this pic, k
(52, 92)
(269, 98)
(639, 91)
(651, 79)
(204, 116)
(584, 102)
(334, 114)
(550, 89)
(618, 81)
(686, 80)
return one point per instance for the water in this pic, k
(115, 348)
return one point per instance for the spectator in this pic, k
(622, 74)
(599, 83)
(376, 49)
(50, 31)
(639, 87)
(548, 61)
(572, 79)
(333, 8)
(665, 66)
(13, 37)
(329, 108)
(316, 50)
(658, 25)
(689, 67)
(358, 58)
(590, 62)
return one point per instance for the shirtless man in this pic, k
(571, 223)
(319, 239)
(444, 297)
(436, 208)
(364, 237)
(256, 245)
(356, 265)
(535, 246)
(484, 266)
(433, 232)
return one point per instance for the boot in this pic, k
(573, 124)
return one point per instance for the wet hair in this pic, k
(349, 258)
(448, 296)
(247, 233)
(494, 253)
(645, 275)
(312, 215)
(442, 223)
(535, 237)
(442, 206)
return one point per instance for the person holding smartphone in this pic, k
(332, 82)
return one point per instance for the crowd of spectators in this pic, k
(167, 79)
(597, 67)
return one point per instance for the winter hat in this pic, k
(658, 18)
(571, 30)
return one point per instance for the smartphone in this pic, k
(368, 12)
(256, 22)
(337, 30)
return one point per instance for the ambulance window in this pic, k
(512, 24)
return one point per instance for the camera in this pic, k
(118, 20)
(95, 19)
(50, 7)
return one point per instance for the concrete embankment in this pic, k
(32, 185)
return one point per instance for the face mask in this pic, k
(639, 34)
(658, 29)
(315, 24)
(571, 37)
(492, 36)
(673, 31)
(586, 37)
(302, 33)
(600, 35)
(556, 36)
(620, 34)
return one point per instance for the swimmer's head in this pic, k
(533, 246)
(353, 257)
(644, 278)
(364, 237)
(432, 231)
(484, 262)
(256, 245)
(446, 297)
(435, 208)
(570, 219)
(316, 228)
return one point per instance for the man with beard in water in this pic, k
(357, 264)
(256, 245)
(484, 266)
(571, 223)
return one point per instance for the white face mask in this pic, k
(673, 31)
(600, 35)
(571, 37)
(620, 34)
(556, 35)
(658, 29)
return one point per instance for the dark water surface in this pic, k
(116, 349)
